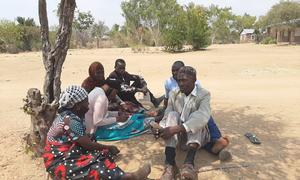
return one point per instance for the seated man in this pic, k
(171, 83)
(188, 114)
(128, 90)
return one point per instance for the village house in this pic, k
(285, 32)
(247, 36)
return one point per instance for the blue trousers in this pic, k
(215, 134)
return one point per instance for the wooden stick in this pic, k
(226, 166)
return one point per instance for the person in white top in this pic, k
(98, 114)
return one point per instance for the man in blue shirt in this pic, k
(171, 83)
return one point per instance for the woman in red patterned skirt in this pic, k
(71, 154)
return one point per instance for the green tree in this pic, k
(98, 31)
(175, 33)
(283, 12)
(10, 36)
(222, 25)
(30, 34)
(132, 14)
(244, 22)
(119, 35)
(154, 16)
(82, 23)
(197, 27)
(145, 17)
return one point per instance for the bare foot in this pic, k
(142, 173)
(220, 144)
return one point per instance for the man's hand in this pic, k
(122, 116)
(114, 150)
(168, 132)
(144, 90)
(151, 113)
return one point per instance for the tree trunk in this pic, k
(42, 116)
(43, 110)
(98, 42)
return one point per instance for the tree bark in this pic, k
(43, 110)
(42, 116)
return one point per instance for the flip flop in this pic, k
(252, 137)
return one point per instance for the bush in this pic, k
(120, 40)
(12, 49)
(174, 36)
(269, 40)
(139, 48)
(197, 28)
(2, 46)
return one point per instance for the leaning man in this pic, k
(188, 114)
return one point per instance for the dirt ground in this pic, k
(254, 88)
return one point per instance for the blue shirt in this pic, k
(171, 84)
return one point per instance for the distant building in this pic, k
(285, 32)
(247, 36)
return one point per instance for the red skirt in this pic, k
(70, 161)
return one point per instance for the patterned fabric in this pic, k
(56, 132)
(71, 96)
(65, 159)
(136, 125)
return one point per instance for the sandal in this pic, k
(188, 172)
(253, 139)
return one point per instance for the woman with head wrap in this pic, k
(70, 153)
(96, 77)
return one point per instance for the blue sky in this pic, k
(109, 11)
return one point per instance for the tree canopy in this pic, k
(284, 11)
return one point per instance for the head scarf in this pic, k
(71, 96)
(90, 82)
(93, 68)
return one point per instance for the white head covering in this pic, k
(71, 96)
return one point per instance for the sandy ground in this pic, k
(254, 88)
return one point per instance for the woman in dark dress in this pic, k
(71, 154)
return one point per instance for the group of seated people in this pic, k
(71, 151)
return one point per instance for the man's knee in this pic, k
(173, 116)
(172, 119)
(193, 146)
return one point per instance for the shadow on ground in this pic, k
(273, 159)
